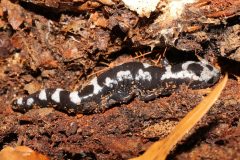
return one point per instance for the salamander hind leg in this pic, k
(119, 98)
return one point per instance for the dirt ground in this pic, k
(63, 43)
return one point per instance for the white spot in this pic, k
(179, 75)
(42, 95)
(96, 87)
(109, 82)
(146, 65)
(20, 101)
(74, 97)
(121, 75)
(56, 95)
(143, 75)
(30, 101)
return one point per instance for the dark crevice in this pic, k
(8, 139)
(233, 21)
(226, 65)
(175, 56)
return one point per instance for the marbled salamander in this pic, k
(122, 83)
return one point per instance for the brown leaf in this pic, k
(32, 87)
(15, 13)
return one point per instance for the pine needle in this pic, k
(159, 150)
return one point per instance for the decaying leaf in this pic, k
(15, 13)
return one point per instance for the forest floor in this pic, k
(50, 44)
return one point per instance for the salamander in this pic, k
(121, 84)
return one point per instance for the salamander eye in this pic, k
(209, 67)
(196, 68)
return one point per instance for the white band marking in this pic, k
(74, 97)
(96, 87)
(42, 95)
(143, 75)
(109, 82)
(30, 101)
(121, 75)
(20, 101)
(56, 95)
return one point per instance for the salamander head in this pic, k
(195, 74)
(207, 74)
